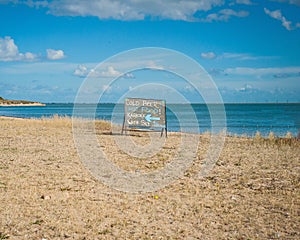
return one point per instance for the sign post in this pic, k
(144, 115)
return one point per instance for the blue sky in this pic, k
(250, 48)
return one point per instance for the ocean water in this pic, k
(241, 119)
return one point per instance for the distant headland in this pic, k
(13, 103)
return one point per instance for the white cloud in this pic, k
(278, 15)
(262, 71)
(130, 9)
(45, 67)
(246, 2)
(110, 72)
(153, 65)
(241, 56)
(37, 4)
(225, 15)
(55, 54)
(9, 51)
(30, 3)
(30, 56)
(295, 2)
(234, 56)
(208, 55)
(129, 75)
(139, 10)
(81, 71)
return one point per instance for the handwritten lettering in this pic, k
(144, 113)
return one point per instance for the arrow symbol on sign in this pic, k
(149, 118)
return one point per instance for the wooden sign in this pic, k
(144, 114)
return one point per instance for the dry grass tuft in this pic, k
(3, 236)
(289, 135)
(272, 136)
(288, 140)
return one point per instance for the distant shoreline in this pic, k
(36, 104)
(18, 103)
(192, 103)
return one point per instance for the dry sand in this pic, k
(46, 193)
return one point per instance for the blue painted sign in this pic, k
(144, 114)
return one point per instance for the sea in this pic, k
(237, 119)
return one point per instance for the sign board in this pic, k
(144, 114)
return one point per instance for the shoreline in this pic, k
(257, 135)
(23, 105)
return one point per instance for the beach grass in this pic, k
(46, 192)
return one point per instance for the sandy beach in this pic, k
(22, 104)
(47, 193)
